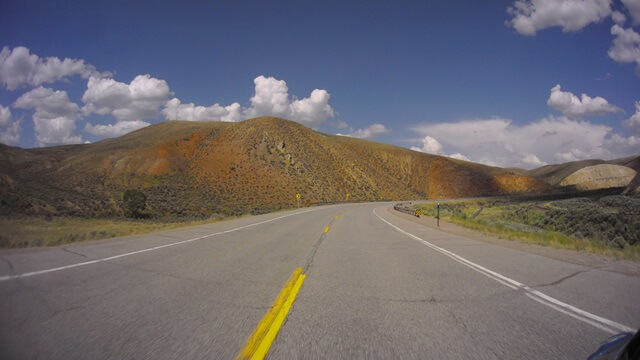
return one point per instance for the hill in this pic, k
(191, 169)
(600, 176)
(555, 174)
(632, 162)
(634, 185)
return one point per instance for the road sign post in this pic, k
(438, 214)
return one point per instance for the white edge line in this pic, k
(39, 272)
(542, 298)
(581, 312)
(586, 320)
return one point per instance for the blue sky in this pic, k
(467, 79)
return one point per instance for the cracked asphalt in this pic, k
(370, 292)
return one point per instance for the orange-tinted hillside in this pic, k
(258, 165)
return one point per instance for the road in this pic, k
(377, 286)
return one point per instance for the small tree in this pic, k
(135, 202)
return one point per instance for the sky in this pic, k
(518, 83)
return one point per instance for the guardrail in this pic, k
(403, 209)
(322, 203)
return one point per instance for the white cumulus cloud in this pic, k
(114, 130)
(175, 110)
(552, 139)
(128, 103)
(56, 131)
(271, 98)
(533, 161)
(19, 67)
(624, 145)
(48, 103)
(572, 106)
(633, 123)
(5, 116)
(339, 124)
(633, 6)
(370, 131)
(458, 156)
(9, 129)
(432, 146)
(54, 118)
(147, 98)
(312, 111)
(140, 99)
(618, 18)
(529, 16)
(626, 46)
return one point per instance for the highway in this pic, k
(376, 285)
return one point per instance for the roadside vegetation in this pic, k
(607, 225)
(28, 232)
(134, 203)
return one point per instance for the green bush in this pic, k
(135, 202)
(619, 242)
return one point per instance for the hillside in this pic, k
(599, 177)
(632, 162)
(191, 169)
(634, 185)
(555, 174)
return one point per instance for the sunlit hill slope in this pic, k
(203, 169)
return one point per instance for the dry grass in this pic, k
(38, 232)
(551, 238)
(560, 224)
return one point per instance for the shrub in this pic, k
(135, 202)
(619, 242)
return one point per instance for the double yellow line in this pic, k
(265, 333)
(260, 341)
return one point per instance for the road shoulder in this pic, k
(594, 261)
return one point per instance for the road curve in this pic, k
(377, 286)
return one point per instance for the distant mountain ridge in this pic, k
(195, 169)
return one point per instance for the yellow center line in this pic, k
(265, 333)
(326, 230)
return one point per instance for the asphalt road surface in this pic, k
(377, 286)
